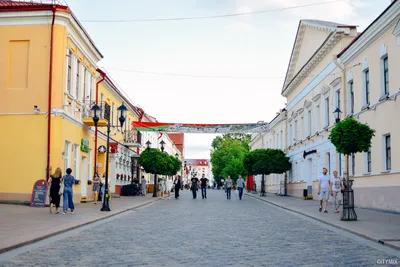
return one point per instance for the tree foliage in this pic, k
(350, 136)
(154, 161)
(266, 161)
(227, 157)
(245, 138)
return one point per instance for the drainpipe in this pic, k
(103, 77)
(50, 94)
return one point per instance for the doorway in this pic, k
(84, 175)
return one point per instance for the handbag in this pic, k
(61, 190)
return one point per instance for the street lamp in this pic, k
(337, 114)
(162, 143)
(95, 112)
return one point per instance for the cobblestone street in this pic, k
(211, 232)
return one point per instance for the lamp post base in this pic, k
(348, 214)
(106, 206)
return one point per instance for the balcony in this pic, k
(104, 114)
(133, 139)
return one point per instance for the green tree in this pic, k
(227, 158)
(350, 137)
(265, 162)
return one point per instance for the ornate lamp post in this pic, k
(162, 143)
(95, 112)
(337, 114)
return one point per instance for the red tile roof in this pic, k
(9, 6)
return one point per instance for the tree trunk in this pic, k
(347, 168)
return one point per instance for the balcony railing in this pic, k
(104, 113)
(133, 139)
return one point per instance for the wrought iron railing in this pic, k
(104, 106)
(133, 137)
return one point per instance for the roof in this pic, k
(369, 26)
(197, 162)
(327, 26)
(43, 5)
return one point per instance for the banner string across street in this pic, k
(199, 128)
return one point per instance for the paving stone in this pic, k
(211, 232)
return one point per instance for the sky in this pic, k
(249, 54)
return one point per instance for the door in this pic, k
(84, 176)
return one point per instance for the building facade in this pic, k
(335, 72)
(48, 86)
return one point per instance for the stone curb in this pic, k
(25, 243)
(325, 222)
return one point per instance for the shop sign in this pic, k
(85, 145)
(39, 194)
(102, 149)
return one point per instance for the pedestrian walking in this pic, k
(162, 187)
(323, 189)
(177, 184)
(56, 189)
(96, 186)
(203, 184)
(194, 185)
(228, 187)
(143, 185)
(168, 186)
(336, 188)
(68, 201)
(240, 185)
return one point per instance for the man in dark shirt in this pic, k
(193, 187)
(204, 182)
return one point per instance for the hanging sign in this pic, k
(85, 145)
(39, 194)
(199, 128)
(102, 149)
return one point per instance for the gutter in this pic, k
(50, 95)
(103, 77)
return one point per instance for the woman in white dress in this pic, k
(168, 184)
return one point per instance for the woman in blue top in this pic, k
(69, 181)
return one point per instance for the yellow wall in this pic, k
(27, 53)
(23, 157)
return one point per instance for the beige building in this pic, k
(334, 67)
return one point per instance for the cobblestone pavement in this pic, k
(211, 232)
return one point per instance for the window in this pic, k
(337, 95)
(112, 113)
(309, 123)
(90, 80)
(316, 118)
(295, 131)
(351, 97)
(367, 89)
(327, 112)
(69, 72)
(290, 135)
(85, 87)
(66, 155)
(78, 81)
(76, 158)
(353, 164)
(282, 145)
(388, 153)
(301, 129)
(328, 161)
(386, 75)
(369, 161)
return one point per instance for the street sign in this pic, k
(39, 194)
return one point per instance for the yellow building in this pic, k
(48, 83)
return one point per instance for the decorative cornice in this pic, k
(294, 115)
(374, 31)
(316, 98)
(325, 89)
(307, 104)
(331, 41)
(300, 111)
(336, 82)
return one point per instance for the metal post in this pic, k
(155, 175)
(106, 206)
(263, 193)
